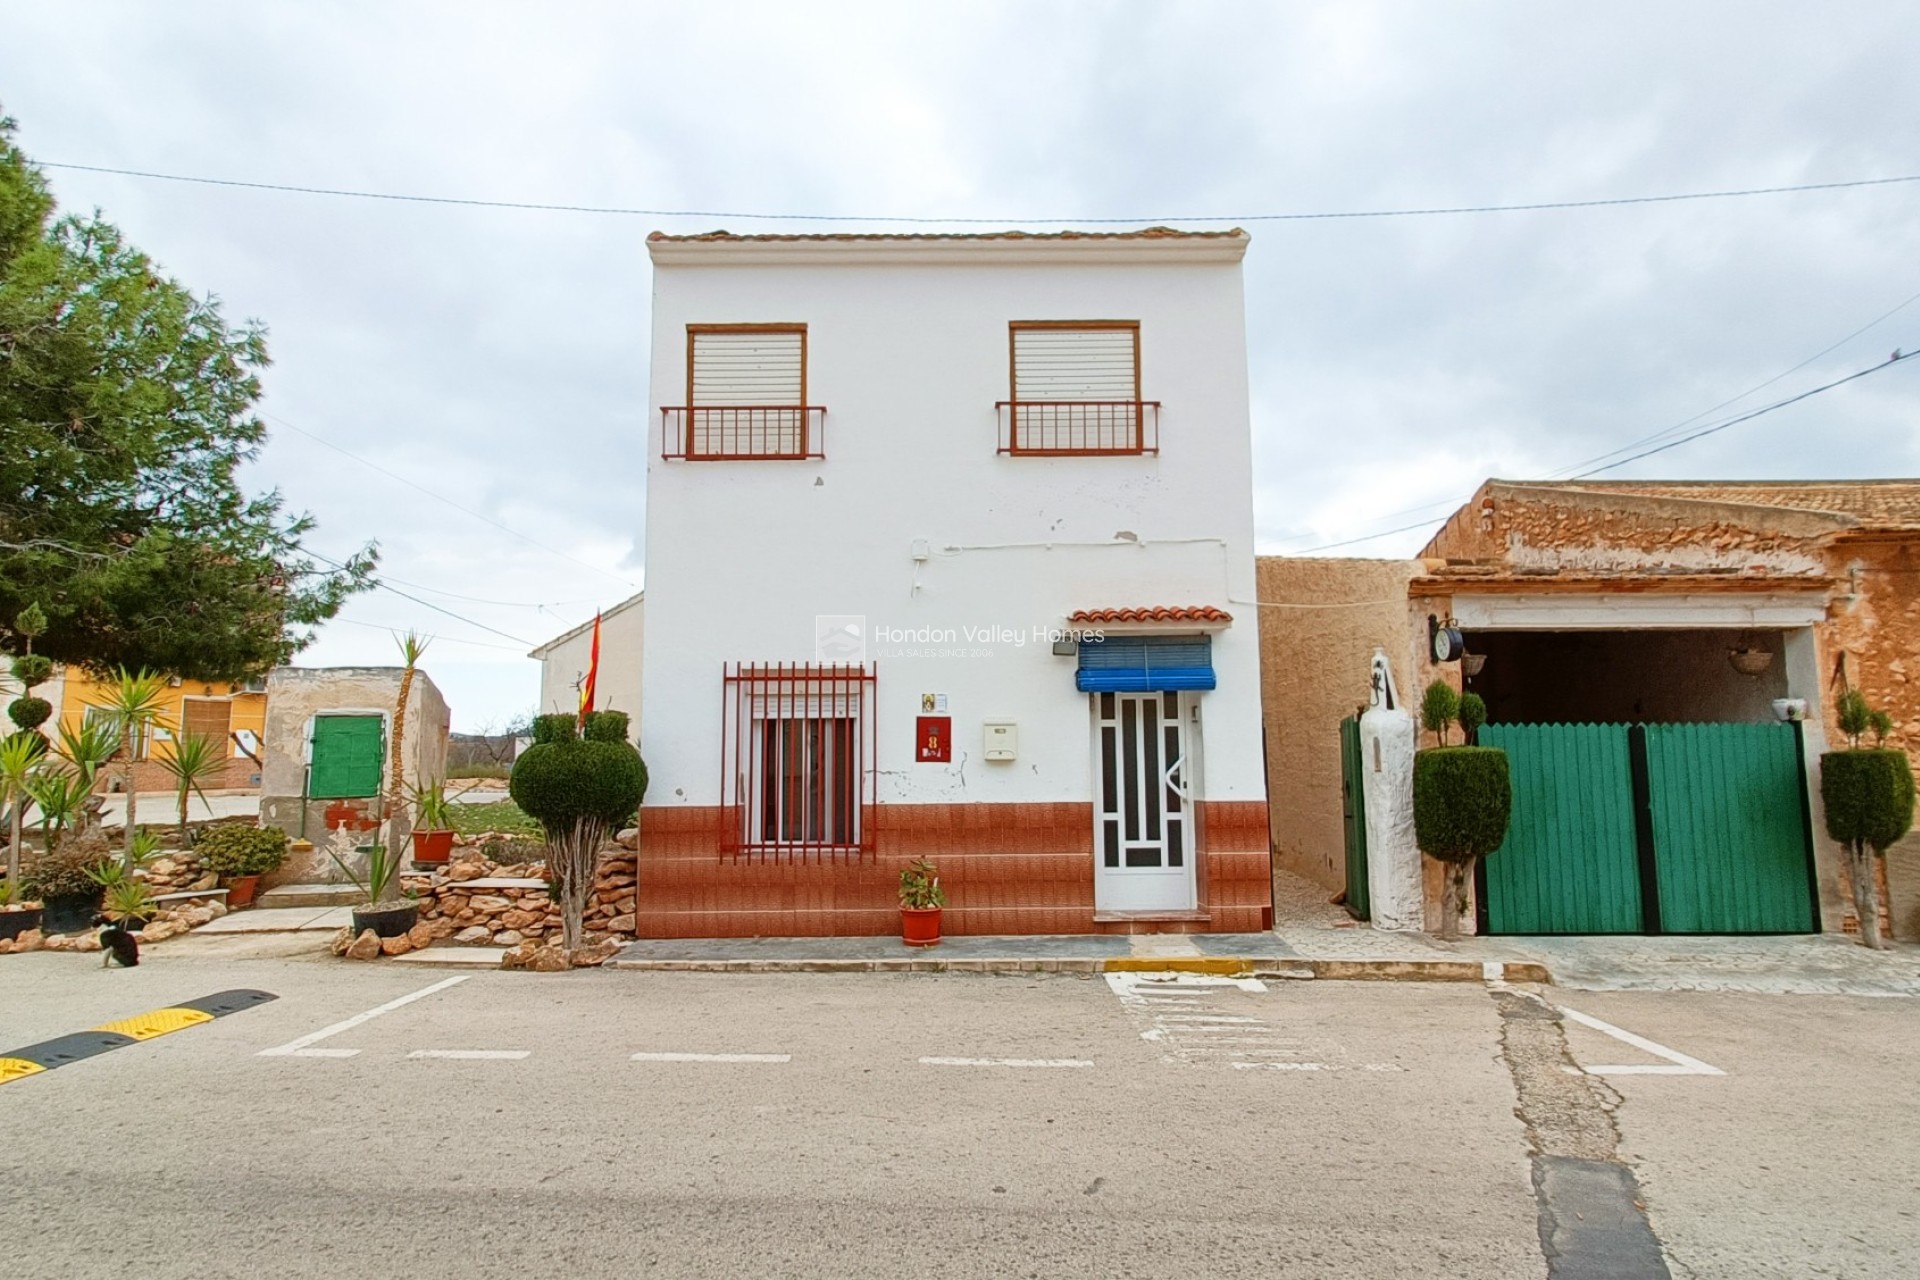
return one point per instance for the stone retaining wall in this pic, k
(478, 901)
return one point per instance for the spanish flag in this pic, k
(593, 676)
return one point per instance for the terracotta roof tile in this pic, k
(1153, 613)
(1876, 504)
(1147, 233)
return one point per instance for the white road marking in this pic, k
(713, 1057)
(298, 1048)
(1682, 1064)
(1005, 1062)
(1315, 1066)
(474, 1055)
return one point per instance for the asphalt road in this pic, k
(1066, 1126)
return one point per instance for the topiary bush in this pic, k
(31, 669)
(579, 791)
(234, 850)
(29, 713)
(1462, 802)
(1869, 796)
(1868, 793)
(1438, 706)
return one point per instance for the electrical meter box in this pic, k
(1003, 740)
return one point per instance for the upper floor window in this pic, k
(1076, 390)
(746, 396)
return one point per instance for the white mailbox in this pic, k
(1003, 740)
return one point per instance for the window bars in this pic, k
(797, 754)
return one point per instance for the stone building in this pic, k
(325, 759)
(1633, 602)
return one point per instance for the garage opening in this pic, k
(1654, 788)
(1626, 677)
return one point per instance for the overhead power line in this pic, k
(1898, 357)
(441, 497)
(457, 617)
(756, 215)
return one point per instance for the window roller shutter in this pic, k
(1074, 364)
(747, 369)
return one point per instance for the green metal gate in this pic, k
(1699, 828)
(1570, 863)
(1730, 824)
(1353, 810)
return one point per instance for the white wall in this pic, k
(564, 664)
(909, 357)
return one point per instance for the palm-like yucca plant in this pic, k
(136, 702)
(412, 647)
(19, 756)
(88, 748)
(195, 759)
(58, 794)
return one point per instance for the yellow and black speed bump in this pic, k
(48, 1054)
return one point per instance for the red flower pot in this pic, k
(432, 846)
(240, 890)
(920, 926)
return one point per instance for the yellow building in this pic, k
(234, 713)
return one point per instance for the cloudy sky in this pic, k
(468, 385)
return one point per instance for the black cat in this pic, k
(117, 945)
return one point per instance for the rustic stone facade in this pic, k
(476, 900)
(1846, 552)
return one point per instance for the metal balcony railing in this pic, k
(721, 433)
(1079, 428)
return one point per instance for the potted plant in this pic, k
(1868, 794)
(433, 824)
(1462, 796)
(65, 884)
(240, 856)
(17, 917)
(921, 898)
(387, 912)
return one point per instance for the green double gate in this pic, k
(1660, 828)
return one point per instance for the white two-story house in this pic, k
(949, 554)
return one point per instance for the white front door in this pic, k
(1142, 842)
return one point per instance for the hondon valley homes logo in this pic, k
(844, 637)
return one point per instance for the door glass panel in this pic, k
(1151, 772)
(1148, 856)
(1172, 703)
(1109, 780)
(1130, 762)
(1111, 829)
(1106, 706)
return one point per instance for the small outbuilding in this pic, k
(325, 753)
(1661, 661)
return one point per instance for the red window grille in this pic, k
(797, 760)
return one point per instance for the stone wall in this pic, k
(479, 901)
(1320, 622)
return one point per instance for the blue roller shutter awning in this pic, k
(1145, 664)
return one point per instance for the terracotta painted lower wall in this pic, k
(1006, 869)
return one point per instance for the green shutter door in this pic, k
(347, 757)
(1731, 834)
(1570, 863)
(1354, 812)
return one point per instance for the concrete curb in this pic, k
(1224, 966)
